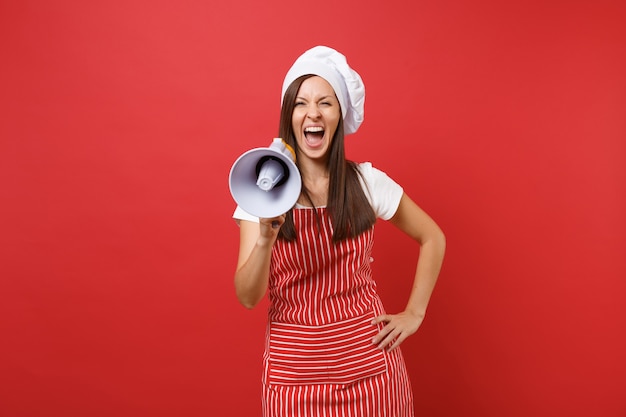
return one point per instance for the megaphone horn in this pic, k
(265, 182)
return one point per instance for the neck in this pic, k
(313, 171)
(315, 177)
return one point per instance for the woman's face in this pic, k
(315, 117)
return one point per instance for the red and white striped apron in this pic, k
(319, 358)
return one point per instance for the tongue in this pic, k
(314, 138)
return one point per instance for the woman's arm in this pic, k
(255, 252)
(413, 221)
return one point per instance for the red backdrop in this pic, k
(120, 121)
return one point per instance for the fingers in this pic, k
(275, 222)
(381, 319)
(386, 334)
(390, 337)
(395, 331)
(278, 221)
(270, 226)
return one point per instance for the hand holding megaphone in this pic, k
(266, 182)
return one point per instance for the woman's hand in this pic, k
(397, 328)
(269, 228)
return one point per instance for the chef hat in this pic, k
(333, 67)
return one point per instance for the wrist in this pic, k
(265, 242)
(417, 312)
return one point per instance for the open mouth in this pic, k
(314, 134)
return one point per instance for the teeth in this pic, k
(314, 129)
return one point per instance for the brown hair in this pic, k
(347, 205)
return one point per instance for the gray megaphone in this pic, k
(266, 182)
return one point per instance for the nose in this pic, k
(313, 111)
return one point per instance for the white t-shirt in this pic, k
(382, 192)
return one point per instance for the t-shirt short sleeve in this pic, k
(383, 193)
(241, 214)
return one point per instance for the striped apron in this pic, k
(319, 358)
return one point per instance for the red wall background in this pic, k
(119, 122)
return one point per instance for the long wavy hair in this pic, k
(350, 211)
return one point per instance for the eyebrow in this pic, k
(319, 99)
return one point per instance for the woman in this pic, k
(331, 349)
